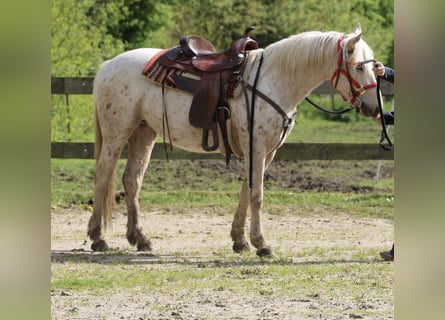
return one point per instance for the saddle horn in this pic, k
(248, 30)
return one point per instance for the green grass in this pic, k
(320, 130)
(251, 277)
(172, 185)
(72, 180)
(361, 205)
(313, 125)
(72, 183)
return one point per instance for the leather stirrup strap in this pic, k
(223, 115)
(165, 124)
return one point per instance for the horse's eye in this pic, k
(359, 67)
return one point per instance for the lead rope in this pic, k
(384, 135)
(329, 111)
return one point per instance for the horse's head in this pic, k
(354, 78)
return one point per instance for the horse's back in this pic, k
(124, 68)
(119, 89)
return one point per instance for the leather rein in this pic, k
(287, 121)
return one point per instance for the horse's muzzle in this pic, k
(367, 111)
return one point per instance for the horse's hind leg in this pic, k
(104, 186)
(140, 146)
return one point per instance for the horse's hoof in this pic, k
(241, 247)
(265, 252)
(144, 246)
(100, 245)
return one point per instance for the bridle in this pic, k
(356, 89)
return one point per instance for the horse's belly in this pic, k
(171, 122)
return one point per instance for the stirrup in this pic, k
(205, 138)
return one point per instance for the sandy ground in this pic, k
(179, 232)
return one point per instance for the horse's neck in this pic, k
(288, 89)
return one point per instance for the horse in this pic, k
(130, 109)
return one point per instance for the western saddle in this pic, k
(196, 67)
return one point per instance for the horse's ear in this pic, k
(357, 29)
(353, 38)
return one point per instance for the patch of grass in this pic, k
(190, 198)
(323, 130)
(176, 185)
(313, 125)
(360, 205)
(71, 181)
(263, 278)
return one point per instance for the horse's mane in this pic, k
(308, 48)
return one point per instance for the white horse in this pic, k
(129, 109)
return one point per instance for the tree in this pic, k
(85, 33)
(78, 43)
(78, 46)
(129, 20)
(223, 20)
(220, 21)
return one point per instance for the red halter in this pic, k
(356, 88)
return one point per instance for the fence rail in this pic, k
(289, 151)
(84, 85)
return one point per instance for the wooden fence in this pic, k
(289, 151)
(84, 85)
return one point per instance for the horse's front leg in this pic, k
(260, 164)
(239, 221)
(140, 146)
(256, 205)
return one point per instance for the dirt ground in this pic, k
(324, 176)
(196, 234)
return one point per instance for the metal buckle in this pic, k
(361, 90)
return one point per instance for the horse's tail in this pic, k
(105, 196)
(97, 138)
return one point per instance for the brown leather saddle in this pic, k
(196, 67)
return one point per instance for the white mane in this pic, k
(308, 48)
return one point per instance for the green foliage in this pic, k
(129, 20)
(85, 33)
(72, 118)
(220, 21)
(78, 44)
(227, 19)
